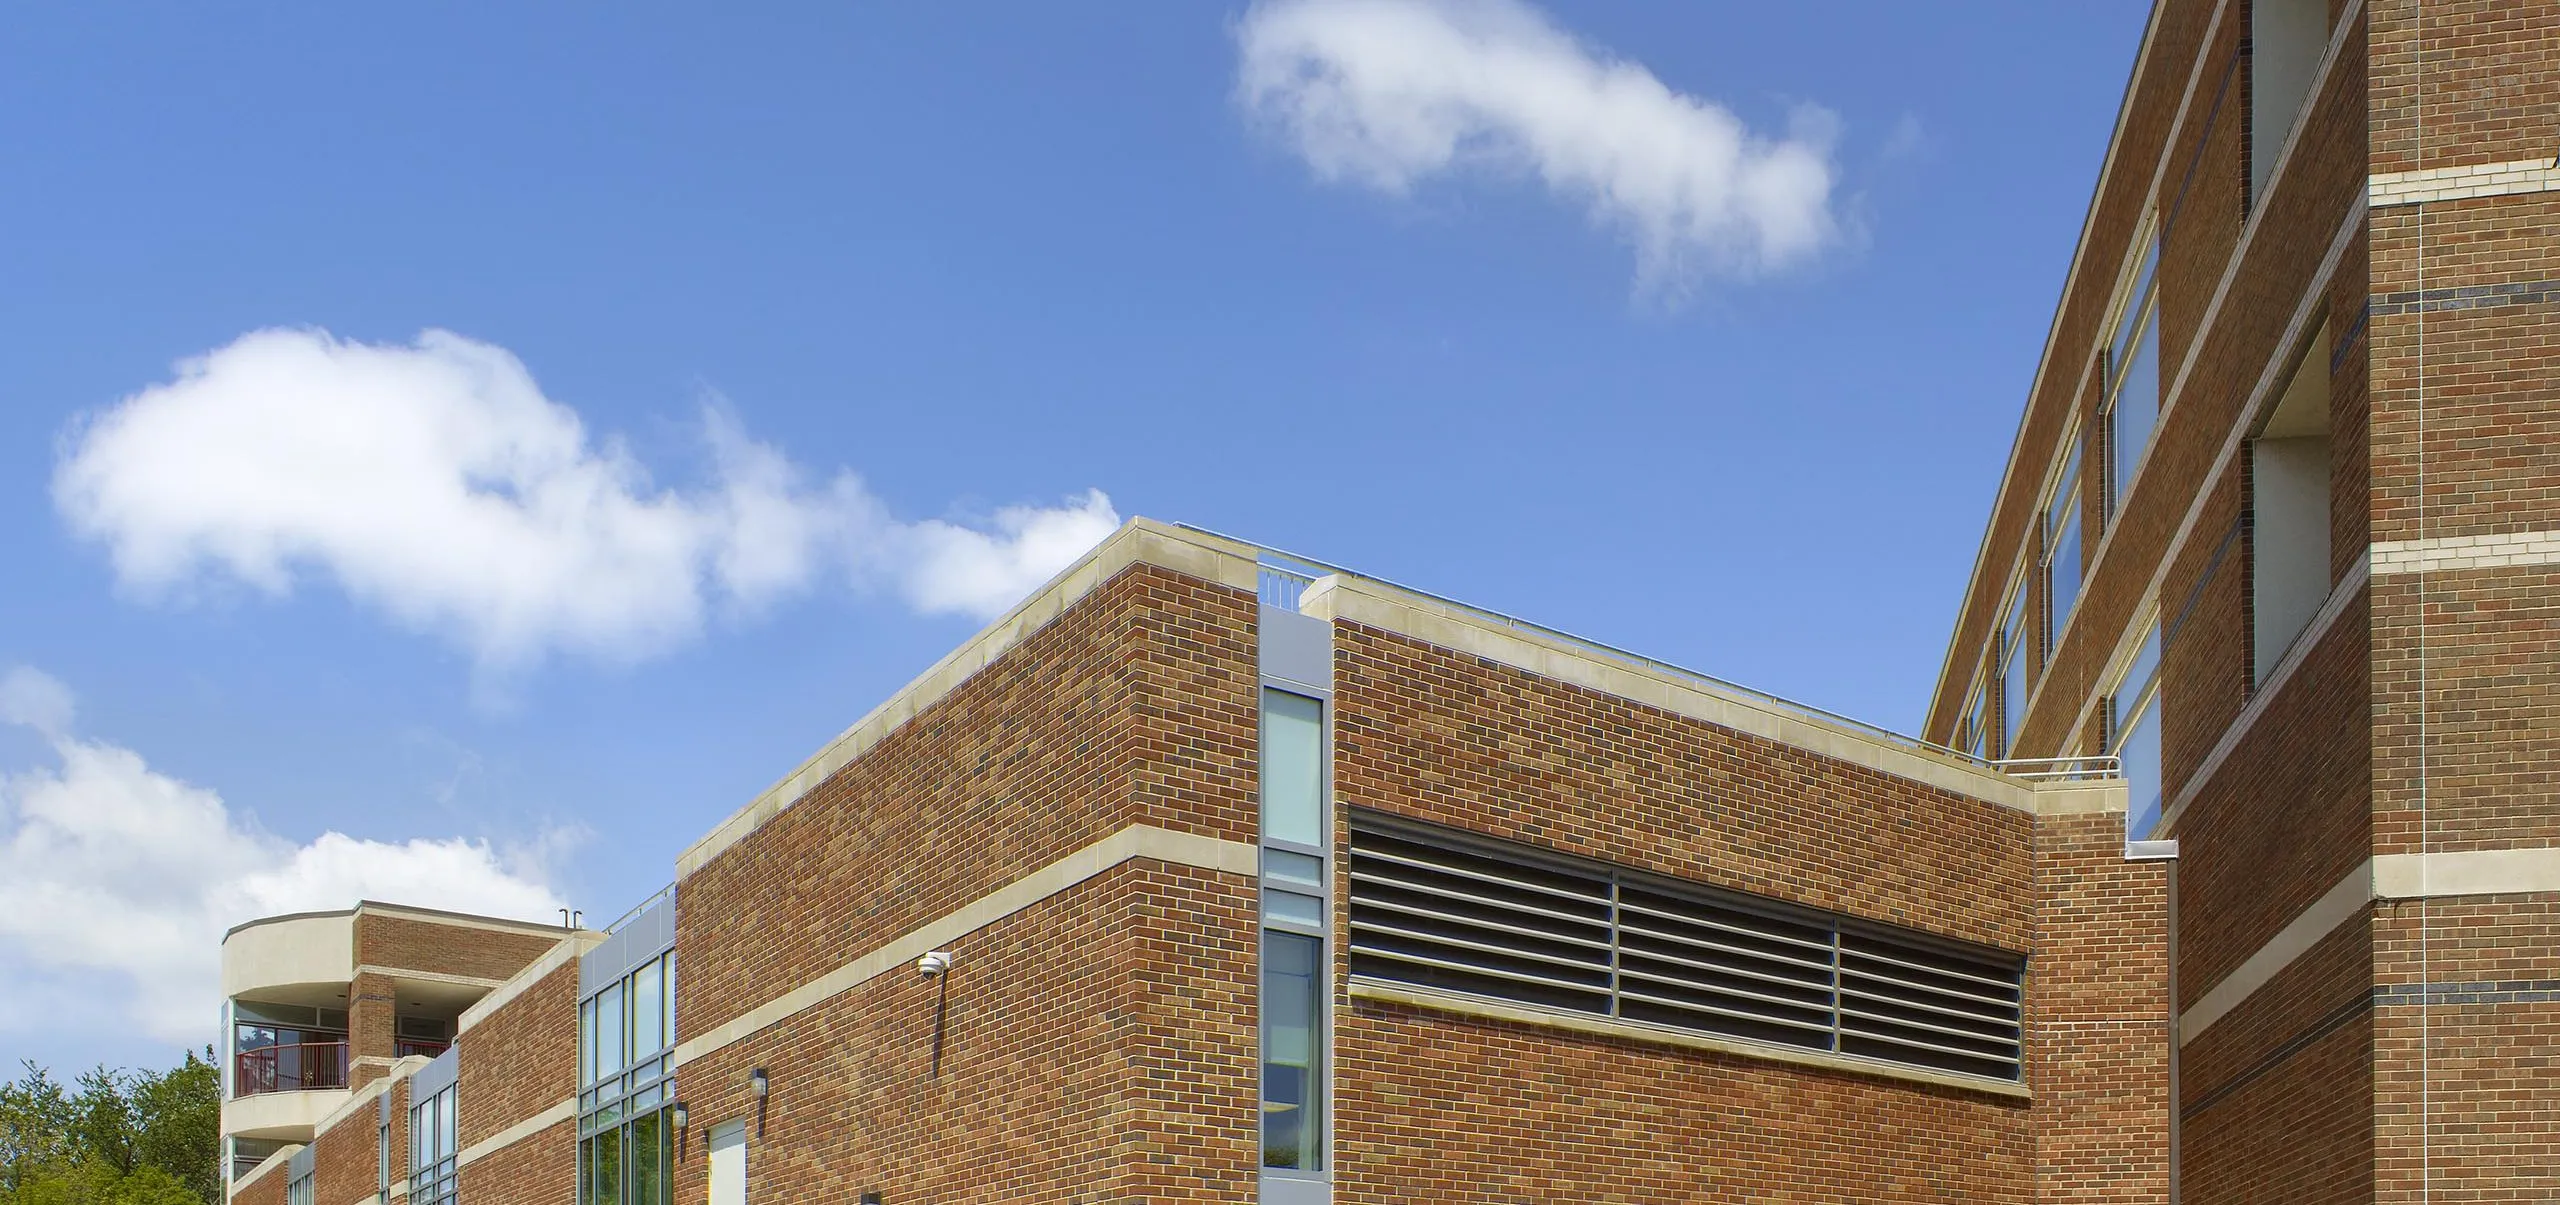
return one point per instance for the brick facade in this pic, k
(2420, 720)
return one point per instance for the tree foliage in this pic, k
(113, 1137)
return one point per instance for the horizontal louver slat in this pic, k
(1470, 915)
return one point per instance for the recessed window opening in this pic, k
(1458, 913)
(2286, 41)
(2289, 512)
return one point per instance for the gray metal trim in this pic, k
(641, 938)
(302, 1162)
(438, 1075)
(1296, 1188)
(1296, 651)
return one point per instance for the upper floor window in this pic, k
(2017, 668)
(299, 1190)
(2131, 403)
(2133, 735)
(2062, 547)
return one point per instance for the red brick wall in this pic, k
(520, 1059)
(1098, 1046)
(1439, 1107)
(2480, 1053)
(540, 1170)
(348, 1154)
(420, 943)
(267, 1189)
(1037, 755)
(1423, 732)
(2098, 1013)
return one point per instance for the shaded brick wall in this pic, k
(2098, 1013)
(2277, 1095)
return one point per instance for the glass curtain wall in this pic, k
(626, 1043)
(433, 1152)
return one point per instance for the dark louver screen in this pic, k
(1467, 915)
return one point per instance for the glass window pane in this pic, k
(605, 1188)
(1289, 908)
(609, 1036)
(2137, 402)
(647, 1175)
(2140, 751)
(1292, 1051)
(1303, 869)
(586, 1042)
(670, 1030)
(648, 1012)
(1292, 768)
(2062, 576)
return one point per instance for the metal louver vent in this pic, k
(1468, 915)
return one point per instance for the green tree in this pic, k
(118, 1138)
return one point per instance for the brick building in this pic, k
(2281, 528)
(1210, 874)
(1249, 880)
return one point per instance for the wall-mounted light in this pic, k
(936, 966)
(678, 1116)
(760, 1086)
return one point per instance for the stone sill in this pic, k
(1662, 1035)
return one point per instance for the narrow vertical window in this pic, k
(2062, 549)
(609, 1031)
(1293, 977)
(2132, 368)
(1292, 768)
(647, 1010)
(2017, 670)
(2287, 39)
(2133, 735)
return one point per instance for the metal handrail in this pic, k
(2061, 769)
(1804, 710)
(293, 1067)
(642, 906)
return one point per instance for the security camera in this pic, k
(934, 964)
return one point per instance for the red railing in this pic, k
(296, 1068)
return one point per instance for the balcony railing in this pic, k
(296, 1068)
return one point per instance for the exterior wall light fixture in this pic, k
(760, 1086)
(936, 966)
(678, 1116)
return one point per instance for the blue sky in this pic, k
(942, 264)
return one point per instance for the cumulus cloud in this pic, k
(111, 869)
(1389, 93)
(434, 482)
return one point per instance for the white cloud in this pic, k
(110, 868)
(435, 482)
(1388, 93)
